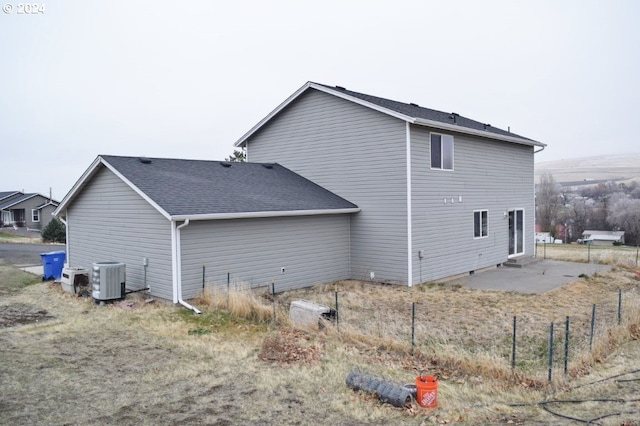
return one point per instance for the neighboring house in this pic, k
(177, 223)
(20, 210)
(440, 194)
(603, 237)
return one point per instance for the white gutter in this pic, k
(177, 265)
(482, 133)
(250, 215)
(409, 217)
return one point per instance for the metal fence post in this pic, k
(273, 296)
(566, 344)
(513, 344)
(619, 306)
(413, 325)
(550, 350)
(337, 314)
(593, 323)
(228, 289)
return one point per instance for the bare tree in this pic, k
(624, 215)
(547, 203)
(575, 216)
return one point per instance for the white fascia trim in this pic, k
(359, 101)
(409, 216)
(137, 190)
(250, 215)
(413, 120)
(328, 90)
(88, 174)
(466, 130)
(279, 108)
(77, 186)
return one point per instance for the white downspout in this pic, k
(409, 212)
(177, 268)
(66, 241)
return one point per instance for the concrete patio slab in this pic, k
(534, 278)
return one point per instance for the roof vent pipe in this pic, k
(144, 160)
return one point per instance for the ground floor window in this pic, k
(480, 223)
(35, 215)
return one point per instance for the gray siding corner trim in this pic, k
(250, 215)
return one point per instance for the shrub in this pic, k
(54, 232)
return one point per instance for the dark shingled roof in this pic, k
(5, 194)
(195, 187)
(15, 199)
(416, 111)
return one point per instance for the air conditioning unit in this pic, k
(73, 279)
(109, 279)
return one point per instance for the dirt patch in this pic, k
(287, 346)
(11, 315)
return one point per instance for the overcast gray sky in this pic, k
(186, 79)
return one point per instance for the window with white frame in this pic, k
(441, 151)
(480, 224)
(35, 215)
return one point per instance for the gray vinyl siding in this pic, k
(488, 175)
(359, 154)
(46, 216)
(109, 221)
(312, 249)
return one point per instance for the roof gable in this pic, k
(197, 189)
(409, 112)
(15, 200)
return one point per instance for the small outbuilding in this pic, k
(178, 224)
(603, 237)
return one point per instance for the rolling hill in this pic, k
(591, 170)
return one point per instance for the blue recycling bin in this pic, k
(52, 264)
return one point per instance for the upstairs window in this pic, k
(441, 151)
(480, 224)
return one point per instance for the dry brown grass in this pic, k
(160, 364)
(240, 301)
(625, 256)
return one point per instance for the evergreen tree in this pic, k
(54, 232)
